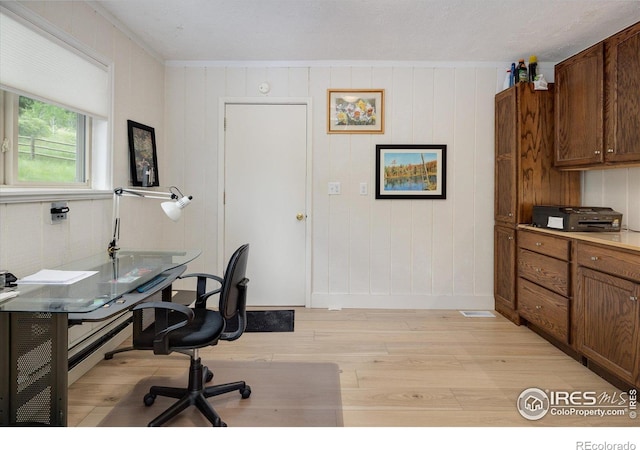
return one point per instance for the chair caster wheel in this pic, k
(149, 399)
(208, 375)
(219, 423)
(246, 392)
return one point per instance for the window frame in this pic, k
(99, 131)
(10, 134)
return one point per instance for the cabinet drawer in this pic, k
(551, 273)
(609, 260)
(544, 308)
(547, 245)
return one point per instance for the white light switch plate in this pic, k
(334, 188)
(364, 189)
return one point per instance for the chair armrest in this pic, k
(161, 325)
(201, 293)
(242, 313)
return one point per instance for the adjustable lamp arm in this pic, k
(176, 201)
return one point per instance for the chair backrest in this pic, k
(233, 292)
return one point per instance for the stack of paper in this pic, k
(47, 276)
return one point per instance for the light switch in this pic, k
(364, 190)
(334, 188)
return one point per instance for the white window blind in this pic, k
(38, 64)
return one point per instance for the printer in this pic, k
(576, 218)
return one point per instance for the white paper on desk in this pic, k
(48, 276)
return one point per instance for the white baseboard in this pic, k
(360, 301)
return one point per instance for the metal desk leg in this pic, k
(34, 369)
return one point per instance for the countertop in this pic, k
(629, 240)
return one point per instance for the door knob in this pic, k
(299, 216)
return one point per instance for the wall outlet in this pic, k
(59, 211)
(334, 188)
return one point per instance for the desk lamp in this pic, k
(176, 201)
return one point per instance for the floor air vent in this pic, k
(477, 313)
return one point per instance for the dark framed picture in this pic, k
(355, 111)
(142, 154)
(411, 171)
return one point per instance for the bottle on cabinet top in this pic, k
(508, 80)
(522, 72)
(533, 68)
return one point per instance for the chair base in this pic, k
(195, 394)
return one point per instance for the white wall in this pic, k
(615, 188)
(419, 253)
(366, 252)
(28, 240)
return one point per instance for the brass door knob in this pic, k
(299, 216)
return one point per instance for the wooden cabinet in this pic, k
(504, 275)
(597, 104)
(622, 96)
(547, 310)
(608, 322)
(524, 176)
(581, 293)
(607, 312)
(524, 173)
(544, 283)
(579, 108)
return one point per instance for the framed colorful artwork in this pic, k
(355, 111)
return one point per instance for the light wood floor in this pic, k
(398, 368)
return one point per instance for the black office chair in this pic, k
(182, 329)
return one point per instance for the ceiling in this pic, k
(370, 30)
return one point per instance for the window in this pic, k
(51, 146)
(55, 103)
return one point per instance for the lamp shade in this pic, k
(173, 210)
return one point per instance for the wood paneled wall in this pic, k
(366, 252)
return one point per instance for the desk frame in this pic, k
(34, 357)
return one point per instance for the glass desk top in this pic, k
(113, 278)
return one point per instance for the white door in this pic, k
(265, 185)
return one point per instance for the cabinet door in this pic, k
(608, 322)
(622, 107)
(506, 164)
(505, 266)
(579, 108)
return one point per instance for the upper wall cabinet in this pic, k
(597, 100)
(622, 95)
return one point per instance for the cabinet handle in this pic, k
(537, 270)
(634, 298)
(610, 150)
(510, 214)
(594, 258)
(538, 307)
(597, 152)
(538, 244)
(510, 238)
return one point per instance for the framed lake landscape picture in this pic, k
(355, 111)
(411, 171)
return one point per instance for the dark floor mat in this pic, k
(281, 320)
